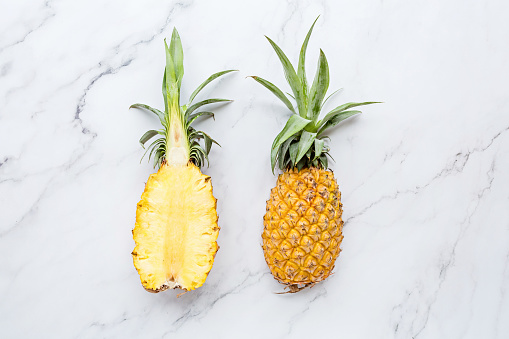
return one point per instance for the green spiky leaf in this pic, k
(177, 55)
(170, 67)
(308, 153)
(336, 119)
(159, 156)
(305, 142)
(147, 136)
(324, 161)
(172, 88)
(200, 153)
(301, 164)
(342, 108)
(301, 69)
(165, 93)
(157, 112)
(301, 143)
(283, 151)
(158, 144)
(181, 116)
(330, 156)
(318, 148)
(194, 107)
(276, 91)
(295, 124)
(298, 150)
(319, 88)
(291, 77)
(206, 82)
(294, 150)
(194, 116)
(208, 142)
(330, 95)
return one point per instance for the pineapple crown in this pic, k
(176, 120)
(301, 142)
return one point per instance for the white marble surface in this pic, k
(424, 176)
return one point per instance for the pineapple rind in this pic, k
(176, 229)
(303, 227)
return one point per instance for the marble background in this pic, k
(424, 176)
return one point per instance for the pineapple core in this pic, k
(176, 229)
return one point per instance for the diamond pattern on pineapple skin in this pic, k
(306, 243)
(278, 260)
(308, 209)
(318, 204)
(286, 248)
(281, 209)
(274, 235)
(298, 255)
(312, 215)
(323, 191)
(301, 207)
(294, 237)
(323, 222)
(303, 226)
(310, 263)
(278, 273)
(284, 228)
(291, 269)
(300, 187)
(301, 275)
(309, 195)
(292, 217)
(330, 211)
(314, 232)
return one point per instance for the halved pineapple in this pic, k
(176, 219)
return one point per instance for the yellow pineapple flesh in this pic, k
(303, 227)
(176, 229)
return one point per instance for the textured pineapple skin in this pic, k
(176, 229)
(303, 228)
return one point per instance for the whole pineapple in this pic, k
(176, 219)
(302, 225)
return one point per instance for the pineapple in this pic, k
(302, 225)
(176, 220)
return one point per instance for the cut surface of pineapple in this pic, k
(176, 229)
